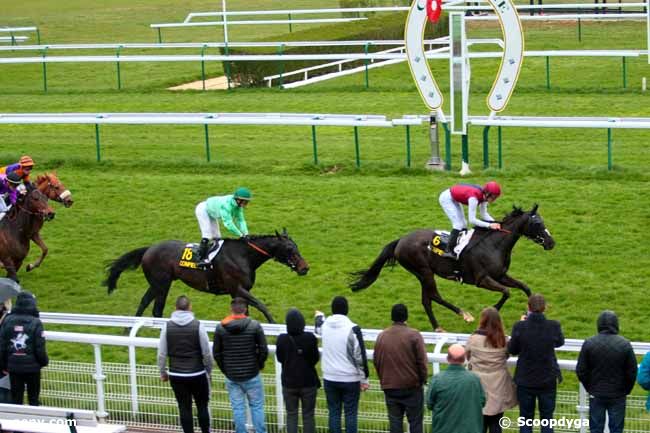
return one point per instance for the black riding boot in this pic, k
(449, 251)
(203, 250)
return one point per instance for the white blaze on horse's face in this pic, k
(65, 194)
(547, 232)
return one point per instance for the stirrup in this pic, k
(204, 264)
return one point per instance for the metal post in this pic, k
(624, 74)
(582, 408)
(133, 378)
(225, 39)
(290, 31)
(44, 70)
(579, 30)
(434, 163)
(548, 73)
(315, 145)
(99, 379)
(408, 146)
(159, 36)
(280, 52)
(38, 36)
(97, 146)
(227, 52)
(609, 149)
(356, 145)
(465, 155)
(499, 148)
(207, 142)
(13, 38)
(437, 349)
(447, 147)
(279, 410)
(486, 147)
(203, 66)
(366, 64)
(119, 75)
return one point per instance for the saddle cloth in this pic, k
(190, 255)
(441, 238)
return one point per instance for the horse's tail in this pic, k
(366, 277)
(130, 260)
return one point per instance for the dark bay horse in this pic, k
(232, 272)
(20, 225)
(484, 262)
(50, 185)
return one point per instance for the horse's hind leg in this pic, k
(146, 300)
(491, 284)
(508, 281)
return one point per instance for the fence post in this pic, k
(447, 147)
(315, 145)
(486, 147)
(119, 75)
(548, 73)
(278, 394)
(97, 146)
(366, 64)
(38, 36)
(13, 38)
(290, 30)
(408, 146)
(44, 70)
(582, 407)
(499, 148)
(280, 52)
(207, 141)
(579, 30)
(99, 379)
(436, 351)
(203, 65)
(133, 377)
(159, 36)
(624, 73)
(356, 145)
(609, 149)
(227, 53)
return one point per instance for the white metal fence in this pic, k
(132, 394)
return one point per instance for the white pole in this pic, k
(225, 23)
(278, 393)
(133, 377)
(99, 379)
(647, 9)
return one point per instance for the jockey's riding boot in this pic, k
(203, 251)
(449, 251)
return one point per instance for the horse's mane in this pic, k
(516, 212)
(51, 176)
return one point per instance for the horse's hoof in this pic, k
(30, 267)
(468, 318)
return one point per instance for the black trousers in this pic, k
(306, 397)
(401, 401)
(21, 380)
(186, 389)
(491, 423)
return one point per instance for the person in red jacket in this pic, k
(473, 196)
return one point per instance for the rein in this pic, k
(258, 249)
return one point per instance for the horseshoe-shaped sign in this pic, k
(513, 54)
(414, 40)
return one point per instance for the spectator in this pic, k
(488, 355)
(185, 341)
(607, 369)
(22, 349)
(344, 365)
(5, 386)
(534, 340)
(644, 377)
(456, 397)
(401, 362)
(240, 351)
(297, 351)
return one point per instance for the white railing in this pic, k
(132, 394)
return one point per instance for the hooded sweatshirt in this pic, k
(239, 347)
(185, 341)
(297, 351)
(344, 354)
(607, 365)
(22, 343)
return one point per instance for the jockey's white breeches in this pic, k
(453, 210)
(209, 227)
(3, 206)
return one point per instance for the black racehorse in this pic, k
(232, 271)
(484, 262)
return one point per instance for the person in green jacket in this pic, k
(227, 208)
(456, 397)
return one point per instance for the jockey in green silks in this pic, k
(227, 208)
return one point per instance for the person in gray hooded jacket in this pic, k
(607, 368)
(185, 342)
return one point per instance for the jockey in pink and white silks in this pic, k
(474, 196)
(229, 209)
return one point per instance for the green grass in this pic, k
(151, 177)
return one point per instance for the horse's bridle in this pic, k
(290, 263)
(60, 197)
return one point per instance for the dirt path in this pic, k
(218, 83)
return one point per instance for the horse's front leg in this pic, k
(38, 241)
(254, 302)
(490, 283)
(11, 269)
(507, 280)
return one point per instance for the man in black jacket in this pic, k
(240, 351)
(534, 340)
(607, 368)
(297, 351)
(22, 349)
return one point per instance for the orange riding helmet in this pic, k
(26, 161)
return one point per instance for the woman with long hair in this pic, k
(487, 353)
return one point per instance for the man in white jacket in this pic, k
(344, 365)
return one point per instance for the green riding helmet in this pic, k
(243, 193)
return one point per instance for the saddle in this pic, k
(441, 239)
(190, 255)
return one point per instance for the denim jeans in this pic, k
(401, 401)
(305, 397)
(253, 390)
(615, 408)
(527, 398)
(346, 394)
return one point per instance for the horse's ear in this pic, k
(534, 211)
(277, 234)
(284, 231)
